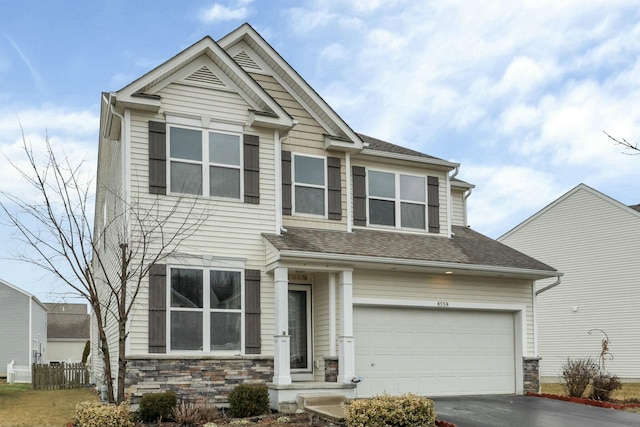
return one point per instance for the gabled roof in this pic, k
(22, 291)
(339, 132)
(378, 147)
(580, 187)
(141, 94)
(466, 251)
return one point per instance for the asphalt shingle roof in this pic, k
(380, 145)
(466, 247)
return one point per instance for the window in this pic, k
(309, 184)
(205, 317)
(393, 196)
(198, 157)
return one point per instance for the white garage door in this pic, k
(434, 352)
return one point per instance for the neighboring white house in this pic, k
(23, 328)
(67, 331)
(329, 255)
(595, 241)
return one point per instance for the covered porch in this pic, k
(314, 348)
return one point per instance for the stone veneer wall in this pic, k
(331, 369)
(531, 368)
(195, 379)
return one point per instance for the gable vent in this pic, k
(245, 61)
(205, 75)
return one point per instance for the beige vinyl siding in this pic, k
(307, 137)
(320, 313)
(594, 242)
(453, 289)
(197, 101)
(232, 229)
(458, 208)
(108, 233)
(413, 170)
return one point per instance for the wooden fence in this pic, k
(63, 375)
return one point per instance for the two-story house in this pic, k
(331, 260)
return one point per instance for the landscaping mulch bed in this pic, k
(592, 402)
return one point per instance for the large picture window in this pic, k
(397, 200)
(206, 309)
(309, 184)
(203, 156)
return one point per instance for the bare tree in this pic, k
(107, 263)
(626, 144)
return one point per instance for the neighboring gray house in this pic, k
(595, 241)
(23, 327)
(67, 331)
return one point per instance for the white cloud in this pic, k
(218, 12)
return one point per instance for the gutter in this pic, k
(288, 255)
(546, 288)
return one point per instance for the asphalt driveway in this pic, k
(527, 411)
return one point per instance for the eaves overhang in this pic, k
(319, 260)
(444, 164)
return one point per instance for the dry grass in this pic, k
(22, 406)
(628, 391)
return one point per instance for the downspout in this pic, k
(464, 198)
(535, 312)
(449, 201)
(546, 288)
(347, 165)
(278, 181)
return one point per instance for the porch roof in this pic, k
(466, 249)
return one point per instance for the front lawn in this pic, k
(20, 405)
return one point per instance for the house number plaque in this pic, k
(443, 304)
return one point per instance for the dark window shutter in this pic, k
(286, 182)
(252, 337)
(157, 158)
(251, 169)
(434, 204)
(157, 308)
(359, 196)
(334, 187)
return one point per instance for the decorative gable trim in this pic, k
(245, 37)
(245, 61)
(205, 76)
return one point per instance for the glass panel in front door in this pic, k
(298, 329)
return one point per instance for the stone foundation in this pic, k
(331, 369)
(531, 368)
(195, 379)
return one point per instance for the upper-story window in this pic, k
(309, 180)
(205, 162)
(206, 309)
(397, 200)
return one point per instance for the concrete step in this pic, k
(327, 406)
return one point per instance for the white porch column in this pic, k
(346, 341)
(281, 363)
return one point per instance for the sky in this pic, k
(519, 93)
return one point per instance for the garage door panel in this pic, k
(434, 352)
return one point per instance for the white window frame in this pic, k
(206, 310)
(398, 200)
(324, 186)
(205, 163)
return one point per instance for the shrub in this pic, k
(96, 414)
(157, 406)
(186, 414)
(408, 410)
(248, 400)
(603, 385)
(577, 374)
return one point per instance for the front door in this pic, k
(300, 331)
